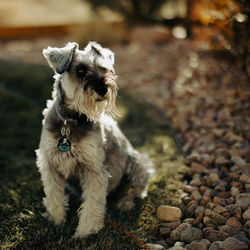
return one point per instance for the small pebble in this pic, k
(168, 213)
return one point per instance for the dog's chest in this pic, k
(85, 139)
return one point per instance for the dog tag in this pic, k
(64, 144)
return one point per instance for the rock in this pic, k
(197, 168)
(191, 158)
(205, 200)
(238, 161)
(178, 246)
(164, 231)
(235, 210)
(208, 193)
(230, 200)
(219, 219)
(167, 227)
(220, 187)
(168, 213)
(243, 238)
(191, 234)
(198, 245)
(196, 181)
(221, 161)
(220, 210)
(208, 222)
(189, 189)
(199, 210)
(190, 211)
(245, 178)
(234, 222)
(214, 235)
(172, 225)
(219, 201)
(206, 159)
(202, 189)
(247, 224)
(198, 219)
(210, 205)
(163, 243)
(223, 194)
(232, 243)
(186, 200)
(176, 234)
(234, 191)
(246, 214)
(154, 247)
(215, 245)
(196, 195)
(199, 214)
(188, 220)
(214, 178)
(229, 230)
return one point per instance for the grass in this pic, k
(24, 89)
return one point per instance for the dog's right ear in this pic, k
(59, 59)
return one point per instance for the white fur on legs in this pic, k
(55, 200)
(92, 210)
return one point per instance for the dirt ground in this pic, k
(172, 95)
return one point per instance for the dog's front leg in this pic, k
(92, 210)
(55, 200)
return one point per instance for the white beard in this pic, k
(91, 104)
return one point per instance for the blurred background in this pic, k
(183, 67)
(214, 25)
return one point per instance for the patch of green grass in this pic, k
(24, 89)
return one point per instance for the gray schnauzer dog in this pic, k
(80, 138)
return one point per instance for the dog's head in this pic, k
(87, 77)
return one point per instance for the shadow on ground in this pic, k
(24, 89)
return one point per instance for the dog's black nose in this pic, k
(101, 90)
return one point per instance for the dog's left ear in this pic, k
(104, 56)
(59, 59)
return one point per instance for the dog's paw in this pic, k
(125, 205)
(58, 221)
(80, 234)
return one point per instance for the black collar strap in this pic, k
(63, 117)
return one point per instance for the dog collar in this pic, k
(64, 144)
(63, 117)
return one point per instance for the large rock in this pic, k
(243, 200)
(168, 213)
(246, 214)
(217, 218)
(234, 222)
(176, 234)
(214, 235)
(198, 245)
(167, 227)
(154, 247)
(232, 243)
(191, 234)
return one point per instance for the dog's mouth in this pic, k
(100, 99)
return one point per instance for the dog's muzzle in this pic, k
(96, 84)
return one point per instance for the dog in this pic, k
(81, 138)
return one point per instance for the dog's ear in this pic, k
(107, 53)
(59, 59)
(104, 56)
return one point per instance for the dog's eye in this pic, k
(81, 71)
